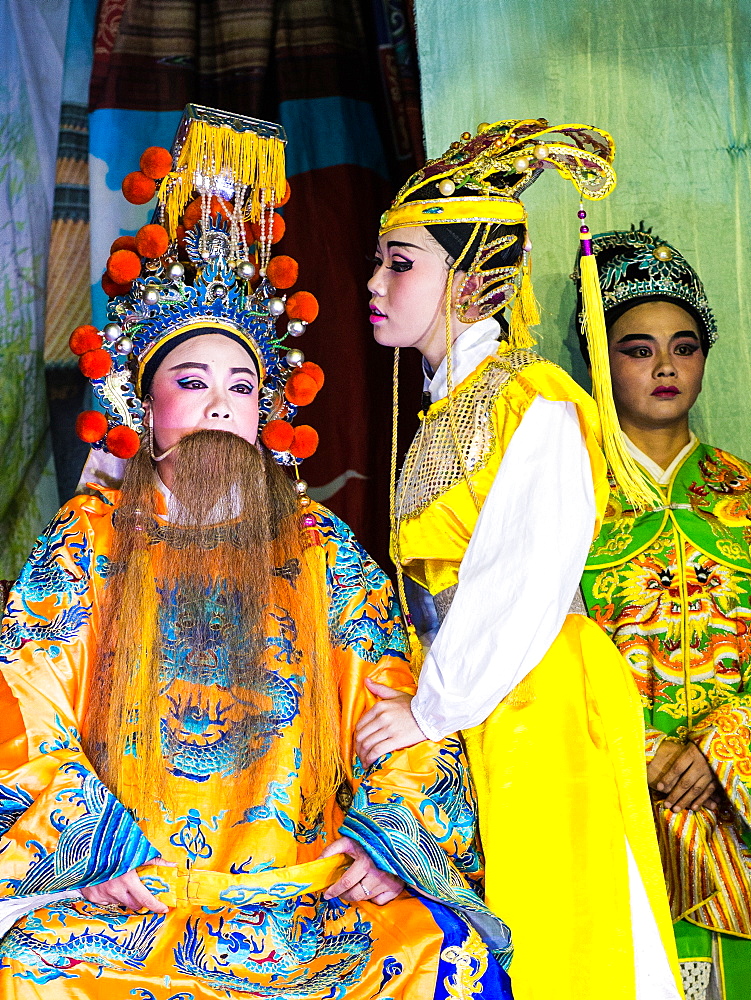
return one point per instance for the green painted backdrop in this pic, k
(671, 81)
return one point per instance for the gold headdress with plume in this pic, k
(478, 183)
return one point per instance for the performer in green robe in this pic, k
(672, 586)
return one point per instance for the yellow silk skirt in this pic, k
(559, 770)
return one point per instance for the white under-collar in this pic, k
(476, 343)
(223, 510)
(661, 476)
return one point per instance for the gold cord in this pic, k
(412, 638)
(450, 368)
(392, 488)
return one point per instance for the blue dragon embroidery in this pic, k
(46, 961)
(281, 935)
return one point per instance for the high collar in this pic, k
(661, 476)
(476, 343)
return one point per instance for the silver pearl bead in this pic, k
(111, 332)
(295, 357)
(124, 345)
(246, 270)
(446, 187)
(219, 291)
(301, 487)
(296, 327)
(276, 306)
(150, 295)
(175, 271)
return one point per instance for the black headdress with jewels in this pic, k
(636, 266)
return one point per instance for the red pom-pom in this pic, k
(278, 227)
(152, 241)
(156, 162)
(123, 442)
(124, 243)
(305, 441)
(282, 271)
(91, 426)
(278, 435)
(301, 389)
(302, 305)
(95, 364)
(123, 266)
(85, 338)
(314, 371)
(138, 188)
(111, 288)
(192, 213)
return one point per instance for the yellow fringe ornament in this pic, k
(628, 476)
(244, 149)
(525, 312)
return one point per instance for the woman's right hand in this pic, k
(126, 890)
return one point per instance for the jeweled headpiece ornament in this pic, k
(193, 270)
(636, 266)
(479, 180)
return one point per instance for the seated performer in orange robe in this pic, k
(183, 664)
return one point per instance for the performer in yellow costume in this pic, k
(672, 586)
(183, 663)
(499, 498)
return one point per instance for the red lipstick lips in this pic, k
(666, 392)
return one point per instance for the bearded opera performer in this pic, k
(500, 496)
(183, 661)
(672, 586)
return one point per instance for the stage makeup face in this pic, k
(206, 383)
(656, 364)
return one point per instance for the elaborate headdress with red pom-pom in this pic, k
(194, 267)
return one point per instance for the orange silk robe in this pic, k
(247, 915)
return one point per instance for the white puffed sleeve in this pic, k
(519, 574)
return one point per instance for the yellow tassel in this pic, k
(630, 479)
(524, 314)
(250, 159)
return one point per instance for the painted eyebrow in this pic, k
(648, 336)
(396, 243)
(247, 371)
